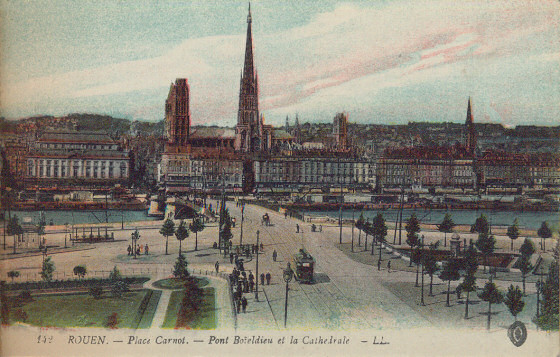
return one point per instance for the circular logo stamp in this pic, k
(517, 333)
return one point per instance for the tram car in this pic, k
(303, 264)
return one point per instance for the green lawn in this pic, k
(176, 284)
(82, 310)
(204, 320)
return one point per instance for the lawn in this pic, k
(82, 310)
(204, 320)
(176, 284)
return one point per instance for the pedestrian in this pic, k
(245, 285)
(274, 255)
(262, 247)
(230, 258)
(251, 285)
(268, 277)
(262, 278)
(129, 250)
(285, 214)
(146, 249)
(320, 228)
(217, 266)
(251, 276)
(379, 264)
(140, 247)
(297, 228)
(138, 251)
(244, 303)
(389, 266)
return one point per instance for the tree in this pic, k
(168, 229)
(470, 262)
(514, 300)
(513, 232)
(485, 244)
(182, 233)
(180, 269)
(416, 256)
(525, 267)
(360, 225)
(196, 226)
(548, 320)
(431, 267)
(134, 236)
(14, 229)
(47, 270)
(226, 230)
(468, 285)
(412, 228)
(446, 226)
(379, 231)
(527, 248)
(115, 274)
(367, 230)
(13, 274)
(544, 232)
(481, 225)
(450, 272)
(80, 271)
(492, 295)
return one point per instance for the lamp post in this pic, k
(134, 236)
(353, 225)
(341, 179)
(422, 261)
(65, 234)
(257, 273)
(288, 275)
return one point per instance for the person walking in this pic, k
(244, 303)
(379, 264)
(129, 250)
(251, 285)
(262, 247)
(230, 258)
(268, 277)
(389, 266)
(274, 255)
(245, 285)
(217, 266)
(262, 278)
(146, 249)
(297, 228)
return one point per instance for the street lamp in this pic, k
(257, 276)
(288, 275)
(134, 236)
(65, 233)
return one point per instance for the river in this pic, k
(60, 217)
(529, 220)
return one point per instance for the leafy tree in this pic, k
(492, 295)
(412, 228)
(431, 267)
(13, 274)
(450, 272)
(47, 269)
(485, 244)
(513, 232)
(115, 274)
(527, 248)
(225, 230)
(468, 285)
(525, 267)
(360, 225)
(80, 271)
(544, 232)
(182, 233)
(180, 269)
(168, 229)
(446, 226)
(14, 229)
(514, 300)
(379, 231)
(481, 225)
(470, 263)
(367, 230)
(416, 256)
(96, 292)
(548, 320)
(196, 226)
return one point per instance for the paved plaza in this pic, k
(349, 292)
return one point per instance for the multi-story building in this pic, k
(177, 113)
(15, 149)
(88, 158)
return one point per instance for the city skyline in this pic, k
(369, 60)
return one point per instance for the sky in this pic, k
(382, 62)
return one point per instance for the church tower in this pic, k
(470, 132)
(177, 113)
(251, 135)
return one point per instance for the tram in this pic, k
(302, 265)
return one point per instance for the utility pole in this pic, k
(341, 203)
(353, 225)
(257, 272)
(242, 219)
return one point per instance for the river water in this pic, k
(60, 217)
(529, 220)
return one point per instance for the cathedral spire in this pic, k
(248, 71)
(469, 113)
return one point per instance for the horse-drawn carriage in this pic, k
(303, 265)
(265, 220)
